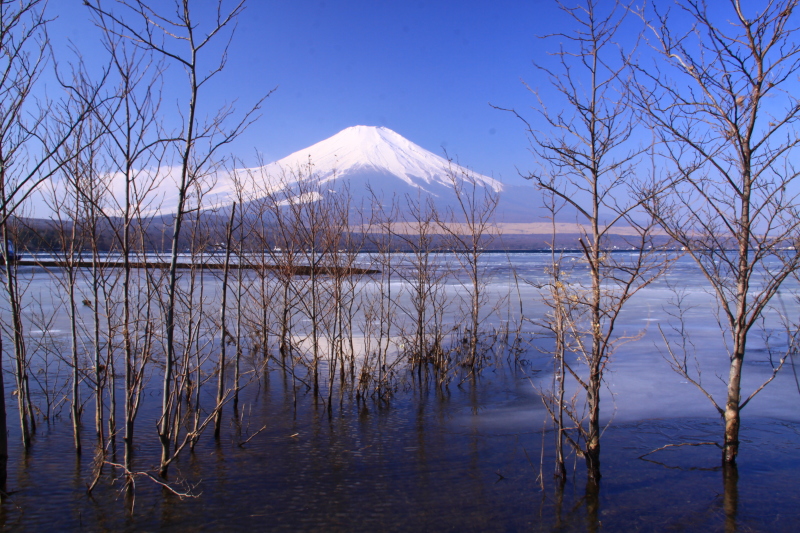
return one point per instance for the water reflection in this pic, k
(465, 457)
(730, 480)
(430, 461)
(592, 502)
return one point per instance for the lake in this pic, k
(475, 454)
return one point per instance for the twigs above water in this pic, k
(169, 487)
(679, 445)
(251, 437)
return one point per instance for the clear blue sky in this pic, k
(426, 69)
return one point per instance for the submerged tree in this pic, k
(131, 124)
(178, 36)
(380, 308)
(469, 232)
(23, 45)
(721, 100)
(31, 133)
(425, 272)
(588, 162)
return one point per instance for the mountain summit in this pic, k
(360, 150)
(372, 163)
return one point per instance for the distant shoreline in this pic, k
(296, 270)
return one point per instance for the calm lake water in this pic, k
(474, 457)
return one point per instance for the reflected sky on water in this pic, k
(467, 458)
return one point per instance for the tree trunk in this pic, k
(76, 403)
(223, 328)
(3, 429)
(592, 452)
(731, 447)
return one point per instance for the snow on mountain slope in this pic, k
(368, 161)
(378, 149)
(371, 163)
(354, 152)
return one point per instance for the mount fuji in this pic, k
(372, 162)
(374, 165)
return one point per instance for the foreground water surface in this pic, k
(475, 456)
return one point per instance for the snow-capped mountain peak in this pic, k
(378, 150)
(367, 158)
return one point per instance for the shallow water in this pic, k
(427, 463)
(471, 458)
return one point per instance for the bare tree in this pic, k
(177, 37)
(134, 152)
(425, 271)
(285, 253)
(224, 335)
(28, 144)
(382, 307)
(589, 163)
(563, 311)
(66, 202)
(244, 227)
(470, 231)
(719, 96)
(309, 214)
(346, 238)
(76, 199)
(194, 323)
(259, 253)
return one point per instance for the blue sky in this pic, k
(426, 69)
